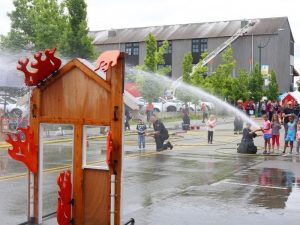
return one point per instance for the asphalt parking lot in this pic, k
(195, 183)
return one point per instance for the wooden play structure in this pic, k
(76, 94)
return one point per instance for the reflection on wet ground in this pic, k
(193, 184)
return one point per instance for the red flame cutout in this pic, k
(23, 150)
(64, 207)
(42, 67)
(107, 59)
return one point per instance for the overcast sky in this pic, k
(133, 13)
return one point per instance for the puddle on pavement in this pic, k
(270, 188)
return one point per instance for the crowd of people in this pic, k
(275, 117)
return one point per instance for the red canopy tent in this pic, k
(293, 97)
(132, 89)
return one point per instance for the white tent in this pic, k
(296, 95)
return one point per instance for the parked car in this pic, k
(162, 105)
(13, 106)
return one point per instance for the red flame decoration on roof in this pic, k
(42, 67)
(64, 207)
(23, 150)
(107, 59)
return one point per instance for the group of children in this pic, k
(271, 130)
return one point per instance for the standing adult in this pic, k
(263, 107)
(270, 110)
(287, 112)
(149, 111)
(238, 121)
(186, 118)
(276, 108)
(127, 118)
(160, 134)
(250, 108)
(204, 110)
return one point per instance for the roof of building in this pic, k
(188, 31)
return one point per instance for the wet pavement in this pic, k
(193, 184)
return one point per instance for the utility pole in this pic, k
(259, 55)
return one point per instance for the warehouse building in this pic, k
(270, 38)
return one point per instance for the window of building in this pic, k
(132, 50)
(291, 70)
(198, 47)
(292, 48)
(169, 49)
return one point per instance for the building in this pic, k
(274, 35)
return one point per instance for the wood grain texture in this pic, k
(34, 120)
(75, 97)
(78, 175)
(96, 197)
(117, 76)
(78, 96)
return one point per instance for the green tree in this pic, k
(273, 90)
(240, 87)
(150, 88)
(184, 95)
(221, 79)
(35, 24)
(187, 67)
(298, 85)
(256, 83)
(154, 55)
(199, 74)
(76, 42)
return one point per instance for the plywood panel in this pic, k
(96, 197)
(75, 96)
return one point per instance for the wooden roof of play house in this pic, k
(76, 92)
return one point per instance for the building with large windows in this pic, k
(273, 35)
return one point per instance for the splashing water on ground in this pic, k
(195, 91)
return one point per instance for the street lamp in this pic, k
(261, 46)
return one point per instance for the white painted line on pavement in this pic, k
(253, 185)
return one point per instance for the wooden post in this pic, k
(35, 126)
(78, 175)
(116, 102)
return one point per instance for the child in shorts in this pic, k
(141, 129)
(290, 136)
(267, 130)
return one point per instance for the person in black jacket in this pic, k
(160, 134)
(127, 119)
(247, 145)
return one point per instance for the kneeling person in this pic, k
(247, 145)
(160, 134)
